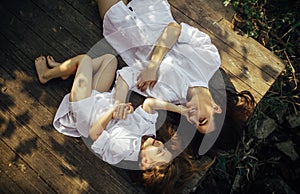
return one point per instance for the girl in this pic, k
(89, 110)
(170, 61)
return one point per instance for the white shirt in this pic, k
(192, 61)
(76, 118)
(121, 139)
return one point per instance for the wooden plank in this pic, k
(47, 166)
(14, 63)
(17, 173)
(7, 185)
(89, 9)
(66, 150)
(64, 166)
(201, 12)
(247, 60)
(35, 19)
(45, 96)
(82, 29)
(19, 34)
(58, 41)
(24, 139)
(249, 81)
(44, 102)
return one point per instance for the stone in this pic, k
(288, 149)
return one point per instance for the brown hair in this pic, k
(172, 177)
(240, 106)
(166, 133)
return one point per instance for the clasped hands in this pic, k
(121, 110)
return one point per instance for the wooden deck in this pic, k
(33, 156)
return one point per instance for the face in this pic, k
(202, 115)
(154, 152)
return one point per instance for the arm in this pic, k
(121, 91)
(165, 42)
(122, 109)
(100, 124)
(151, 104)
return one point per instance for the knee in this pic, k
(111, 60)
(84, 59)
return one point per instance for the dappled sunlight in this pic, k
(35, 157)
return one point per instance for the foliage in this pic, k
(276, 25)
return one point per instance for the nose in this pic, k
(157, 143)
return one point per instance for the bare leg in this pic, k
(104, 76)
(104, 5)
(52, 63)
(91, 74)
(65, 69)
(82, 84)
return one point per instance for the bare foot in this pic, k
(53, 63)
(41, 68)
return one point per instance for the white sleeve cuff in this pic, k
(199, 83)
(129, 76)
(151, 117)
(99, 145)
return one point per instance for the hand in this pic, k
(122, 110)
(148, 77)
(185, 111)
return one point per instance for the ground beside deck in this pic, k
(36, 158)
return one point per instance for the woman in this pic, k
(176, 69)
(89, 110)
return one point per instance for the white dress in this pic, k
(121, 139)
(133, 31)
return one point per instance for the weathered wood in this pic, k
(12, 48)
(82, 30)
(35, 157)
(46, 165)
(16, 169)
(89, 9)
(252, 66)
(66, 150)
(8, 185)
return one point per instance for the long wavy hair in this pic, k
(240, 106)
(175, 175)
(172, 177)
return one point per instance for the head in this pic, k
(153, 153)
(203, 109)
(176, 176)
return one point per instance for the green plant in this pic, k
(276, 25)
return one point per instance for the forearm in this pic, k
(151, 104)
(165, 42)
(100, 124)
(121, 91)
